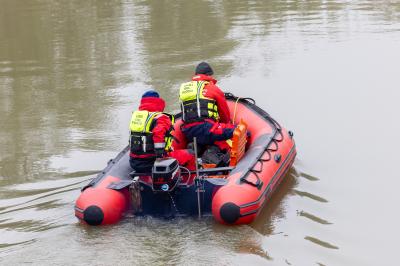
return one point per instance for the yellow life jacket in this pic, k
(194, 105)
(141, 126)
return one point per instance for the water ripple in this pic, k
(310, 196)
(320, 242)
(313, 217)
(308, 176)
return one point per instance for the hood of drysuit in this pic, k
(152, 104)
(202, 77)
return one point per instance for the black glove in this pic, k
(159, 152)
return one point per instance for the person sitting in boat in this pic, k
(150, 129)
(151, 135)
(205, 112)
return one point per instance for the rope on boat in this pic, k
(234, 111)
(188, 173)
(268, 149)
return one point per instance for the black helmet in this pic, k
(204, 68)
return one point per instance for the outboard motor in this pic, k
(166, 174)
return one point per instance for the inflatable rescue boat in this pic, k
(233, 194)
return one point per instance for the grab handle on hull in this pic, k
(258, 184)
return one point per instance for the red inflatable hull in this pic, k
(270, 153)
(238, 202)
(100, 205)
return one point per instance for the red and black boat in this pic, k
(234, 194)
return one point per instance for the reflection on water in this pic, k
(275, 208)
(72, 71)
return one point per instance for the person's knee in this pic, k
(228, 133)
(225, 135)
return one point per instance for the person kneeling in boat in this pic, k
(205, 112)
(151, 135)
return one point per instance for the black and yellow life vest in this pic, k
(194, 105)
(141, 126)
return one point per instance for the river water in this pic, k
(71, 72)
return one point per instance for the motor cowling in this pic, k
(165, 174)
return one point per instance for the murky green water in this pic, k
(72, 71)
